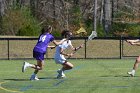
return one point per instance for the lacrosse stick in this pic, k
(93, 35)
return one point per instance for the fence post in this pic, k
(85, 49)
(120, 47)
(8, 49)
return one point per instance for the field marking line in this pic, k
(58, 83)
(62, 80)
(26, 88)
(8, 89)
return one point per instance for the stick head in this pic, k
(93, 35)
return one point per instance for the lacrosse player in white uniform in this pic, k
(137, 62)
(60, 54)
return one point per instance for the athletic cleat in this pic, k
(59, 71)
(34, 77)
(25, 65)
(60, 74)
(131, 73)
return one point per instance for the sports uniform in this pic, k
(41, 46)
(59, 58)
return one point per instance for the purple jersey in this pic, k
(43, 42)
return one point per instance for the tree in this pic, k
(95, 15)
(33, 5)
(107, 16)
(2, 12)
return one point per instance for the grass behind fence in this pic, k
(87, 76)
(94, 49)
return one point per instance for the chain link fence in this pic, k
(107, 48)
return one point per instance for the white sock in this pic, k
(30, 65)
(133, 71)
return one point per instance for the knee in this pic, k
(71, 66)
(39, 67)
(138, 60)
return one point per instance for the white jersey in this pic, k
(59, 58)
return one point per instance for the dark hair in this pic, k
(45, 29)
(66, 34)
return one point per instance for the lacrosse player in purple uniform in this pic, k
(39, 51)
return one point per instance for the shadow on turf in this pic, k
(118, 76)
(18, 79)
(47, 78)
(43, 78)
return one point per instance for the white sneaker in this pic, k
(25, 65)
(60, 74)
(34, 77)
(131, 73)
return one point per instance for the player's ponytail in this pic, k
(46, 29)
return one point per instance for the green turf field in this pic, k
(88, 76)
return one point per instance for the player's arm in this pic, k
(58, 43)
(51, 47)
(75, 48)
(63, 53)
(134, 42)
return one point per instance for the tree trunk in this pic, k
(101, 16)
(107, 16)
(54, 13)
(20, 2)
(95, 16)
(33, 5)
(2, 12)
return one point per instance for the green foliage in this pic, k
(100, 30)
(30, 27)
(134, 30)
(19, 21)
(76, 16)
(125, 29)
(56, 33)
(89, 27)
(128, 27)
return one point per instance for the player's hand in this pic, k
(53, 47)
(69, 55)
(130, 42)
(81, 45)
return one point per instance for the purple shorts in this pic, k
(38, 55)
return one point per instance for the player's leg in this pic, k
(39, 66)
(26, 65)
(136, 64)
(38, 56)
(65, 66)
(40, 63)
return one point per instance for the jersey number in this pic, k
(42, 38)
